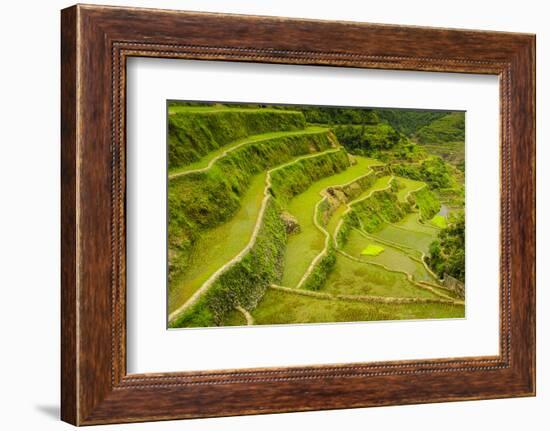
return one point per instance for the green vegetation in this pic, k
(245, 282)
(214, 247)
(433, 171)
(367, 138)
(194, 133)
(298, 214)
(372, 250)
(281, 307)
(447, 254)
(445, 137)
(381, 208)
(203, 200)
(211, 157)
(409, 121)
(332, 116)
(439, 221)
(427, 203)
(450, 128)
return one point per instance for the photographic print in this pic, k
(294, 214)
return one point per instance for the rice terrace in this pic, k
(287, 214)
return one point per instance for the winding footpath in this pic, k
(322, 229)
(366, 298)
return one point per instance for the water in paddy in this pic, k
(219, 245)
(444, 210)
(416, 239)
(304, 246)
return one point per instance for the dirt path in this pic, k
(365, 298)
(248, 317)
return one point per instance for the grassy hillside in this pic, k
(194, 132)
(450, 128)
(445, 137)
(409, 121)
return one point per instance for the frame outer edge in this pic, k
(87, 397)
(69, 212)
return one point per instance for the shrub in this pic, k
(447, 254)
(427, 202)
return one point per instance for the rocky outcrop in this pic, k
(291, 223)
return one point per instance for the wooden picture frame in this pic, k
(96, 41)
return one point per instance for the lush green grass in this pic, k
(369, 209)
(216, 246)
(408, 121)
(379, 184)
(235, 318)
(271, 136)
(380, 208)
(217, 108)
(279, 307)
(439, 221)
(452, 152)
(304, 246)
(372, 250)
(432, 170)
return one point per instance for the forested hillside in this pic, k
(409, 121)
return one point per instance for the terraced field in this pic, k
(272, 220)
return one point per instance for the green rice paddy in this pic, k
(310, 241)
(216, 246)
(283, 308)
(372, 250)
(216, 154)
(377, 269)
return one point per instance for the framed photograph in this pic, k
(266, 215)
